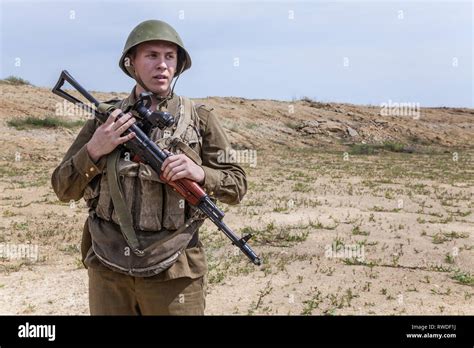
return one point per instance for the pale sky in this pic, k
(366, 52)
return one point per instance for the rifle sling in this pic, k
(123, 213)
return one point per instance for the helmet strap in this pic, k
(160, 99)
(180, 72)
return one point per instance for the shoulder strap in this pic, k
(187, 116)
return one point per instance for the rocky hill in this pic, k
(260, 123)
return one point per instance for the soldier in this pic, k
(127, 200)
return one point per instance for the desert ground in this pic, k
(353, 212)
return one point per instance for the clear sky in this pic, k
(363, 52)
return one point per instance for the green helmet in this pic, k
(154, 30)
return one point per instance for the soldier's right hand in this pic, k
(108, 135)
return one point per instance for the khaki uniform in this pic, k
(226, 182)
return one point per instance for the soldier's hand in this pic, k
(181, 166)
(108, 135)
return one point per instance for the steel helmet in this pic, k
(154, 30)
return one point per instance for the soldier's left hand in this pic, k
(181, 166)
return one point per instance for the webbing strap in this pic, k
(123, 213)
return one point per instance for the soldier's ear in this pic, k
(128, 61)
(131, 55)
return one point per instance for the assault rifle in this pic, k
(153, 155)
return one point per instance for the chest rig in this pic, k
(139, 225)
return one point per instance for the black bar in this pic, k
(316, 330)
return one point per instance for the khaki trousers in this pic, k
(113, 293)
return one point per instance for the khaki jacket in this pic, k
(224, 181)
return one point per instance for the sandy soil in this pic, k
(340, 232)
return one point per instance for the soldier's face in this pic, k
(155, 63)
